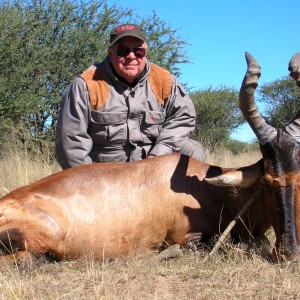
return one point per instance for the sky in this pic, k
(220, 31)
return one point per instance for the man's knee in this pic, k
(194, 149)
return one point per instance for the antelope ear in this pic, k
(243, 177)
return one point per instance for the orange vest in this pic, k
(95, 78)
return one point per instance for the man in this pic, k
(125, 108)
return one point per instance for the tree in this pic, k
(282, 97)
(217, 115)
(44, 44)
(166, 47)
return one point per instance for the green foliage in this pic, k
(217, 115)
(45, 44)
(282, 97)
(165, 47)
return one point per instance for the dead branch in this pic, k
(232, 224)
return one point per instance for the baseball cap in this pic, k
(127, 30)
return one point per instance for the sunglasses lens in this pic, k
(124, 51)
(139, 52)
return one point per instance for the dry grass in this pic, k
(235, 272)
(225, 158)
(18, 169)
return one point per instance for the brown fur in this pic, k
(115, 209)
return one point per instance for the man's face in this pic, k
(128, 57)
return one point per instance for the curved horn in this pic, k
(294, 67)
(263, 131)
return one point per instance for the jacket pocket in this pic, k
(152, 123)
(154, 117)
(108, 118)
(108, 128)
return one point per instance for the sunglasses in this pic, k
(123, 51)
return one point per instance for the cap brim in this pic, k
(127, 34)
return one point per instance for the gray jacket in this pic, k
(128, 124)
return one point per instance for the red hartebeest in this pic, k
(114, 209)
